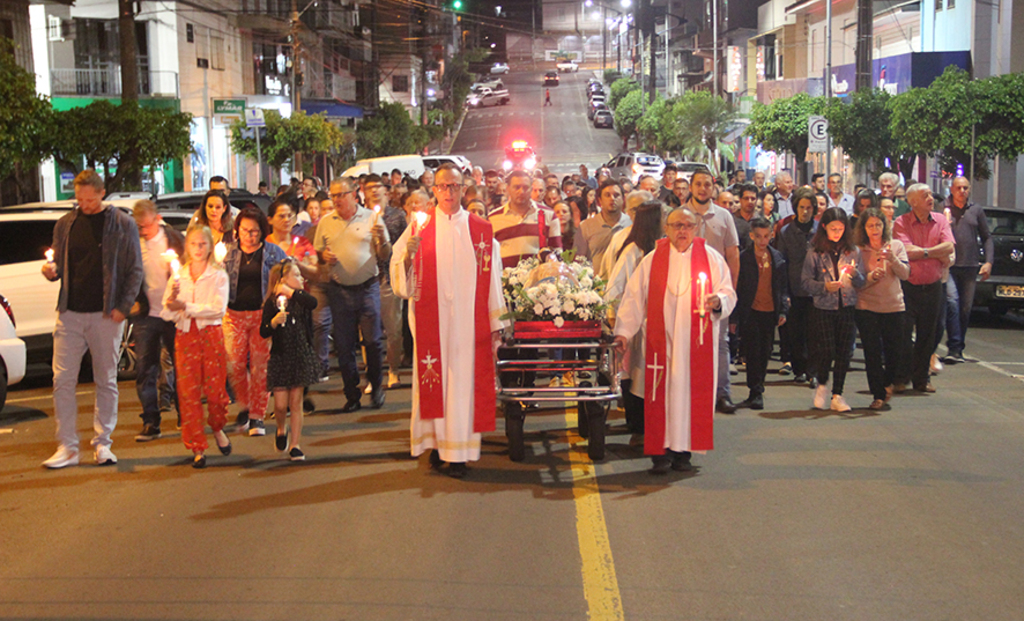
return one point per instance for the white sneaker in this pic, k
(104, 456)
(368, 389)
(820, 397)
(63, 458)
(936, 365)
(839, 404)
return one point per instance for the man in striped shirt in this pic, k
(522, 226)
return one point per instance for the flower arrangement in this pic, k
(556, 287)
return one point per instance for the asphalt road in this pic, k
(561, 133)
(912, 513)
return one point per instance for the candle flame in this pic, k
(421, 218)
(282, 302)
(49, 255)
(220, 251)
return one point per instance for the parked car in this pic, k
(551, 78)
(595, 88)
(495, 84)
(12, 351)
(685, 169)
(593, 108)
(1005, 287)
(411, 165)
(239, 199)
(435, 161)
(499, 68)
(567, 66)
(604, 118)
(632, 165)
(27, 232)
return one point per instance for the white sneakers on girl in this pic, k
(821, 397)
(839, 404)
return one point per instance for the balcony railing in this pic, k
(107, 82)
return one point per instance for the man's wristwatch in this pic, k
(926, 253)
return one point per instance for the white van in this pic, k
(411, 165)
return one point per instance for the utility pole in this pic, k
(296, 97)
(714, 42)
(828, 82)
(865, 35)
(604, 38)
(129, 75)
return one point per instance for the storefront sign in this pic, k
(759, 63)
(735, 69)
(897, 74)
(227, 111)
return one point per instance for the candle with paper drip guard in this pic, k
(220, 251)
(703, 279)
(171, 257)
(282, 304)
(376, 214)
(419, 221)
(49, 255)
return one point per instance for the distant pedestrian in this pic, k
(547, 96)
(196, 301)
(97, 259)
(288, 321)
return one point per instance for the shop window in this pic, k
(400, 84)
(217, 52)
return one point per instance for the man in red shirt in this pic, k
(929, 242)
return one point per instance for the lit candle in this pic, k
(49, 255)
(220, 251)
(703, 278)
(171, 257)
(376, 214)
(282, 303)
(419, 221)
(175, 268)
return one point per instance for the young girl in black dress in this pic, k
(287, 319)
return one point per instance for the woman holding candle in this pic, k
(288, 321)
(831, 274)
(248, 266)
(282, 220)
(215, 213)
(196, 301)
(880, 305)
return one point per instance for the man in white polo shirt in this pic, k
(350, 241)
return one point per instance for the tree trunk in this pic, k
(865, 39)
(129, 80)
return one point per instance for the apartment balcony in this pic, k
(107, 83)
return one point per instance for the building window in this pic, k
(400, 84)
(216, 52)
(949, 3)
(190, 33)
(938, 5)
(53, 29)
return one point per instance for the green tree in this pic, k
(627, 115)
(389, 132)
(861, 126)
(24, 119)
(782, 124)
(653, 126)
(701, 122)
(121, 140)
(620, 88)
(937, 120)
(299, 133)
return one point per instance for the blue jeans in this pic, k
(357, 309)
(966, 279)
(322, 325)
(949, 316)
(150, 334)
(724, 381)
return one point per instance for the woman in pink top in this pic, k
(880, 305)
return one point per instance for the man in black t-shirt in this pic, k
(97, 258)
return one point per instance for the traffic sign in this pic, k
(817, 134)
(254, 117)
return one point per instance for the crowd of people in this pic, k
(395, 269)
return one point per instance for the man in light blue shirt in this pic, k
(836, 196)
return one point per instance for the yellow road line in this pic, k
(600, 585)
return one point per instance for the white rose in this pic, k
(559, 322)
(568, 306)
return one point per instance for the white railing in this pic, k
(107, 82)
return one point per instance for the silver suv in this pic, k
(632, 165)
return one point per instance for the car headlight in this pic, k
(507, 165)
(530, 162)
(473, 101)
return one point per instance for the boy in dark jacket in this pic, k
(762, 304)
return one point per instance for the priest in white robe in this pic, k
(449, 265)
(677, 297)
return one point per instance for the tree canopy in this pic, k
(389, 132)
(299, 133)
(861, 126)
(24, 116)
(627, 115)
(782, 124)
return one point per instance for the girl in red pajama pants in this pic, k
(196, 301)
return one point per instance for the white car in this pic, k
(434, 162)
(567, 66)
(499, 68)
(12, 351)
(632, 165)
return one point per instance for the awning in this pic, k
(334, 109)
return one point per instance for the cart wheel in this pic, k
(596, 418)
(514, 430)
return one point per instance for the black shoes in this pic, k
(457, 470)
(224, 449)
(242, 420)
(662, 464)
(377, 401)
(754, 402)
(435, 460)
(681, 462)
(800, 379)
(351, 406)
(296, 454)
(955, 358)
(199, 462)
(308, 407)
(281, 441)
(725, 406)
(149, 432)
(257, 427)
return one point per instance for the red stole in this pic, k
(430, 367)
(702, 357)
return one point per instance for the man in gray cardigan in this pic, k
(97, 258)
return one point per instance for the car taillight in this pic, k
(7, 307)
